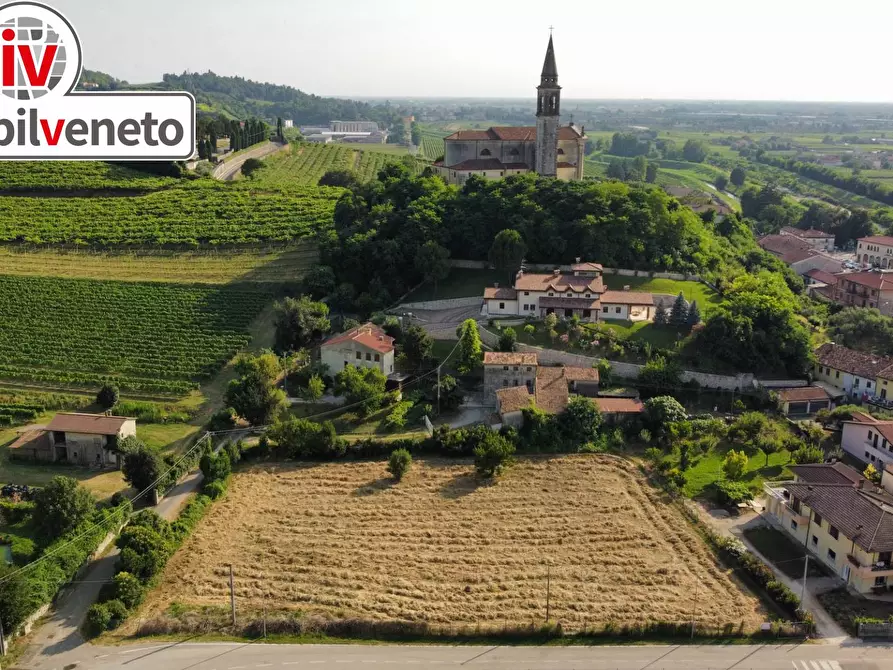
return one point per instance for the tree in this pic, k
(737, 176)
(315, 388)
(417, 345)
(807, 454)
(871, 474)
(507, 339)
(415, 134)
(60, 506)
(660, 314)
(721, 182)
(507, 251)
(251, 165)
(342, 178)
(16, 598)
(280, 132)
(638, 169)
(216, 467)
(550, 321)
(679, 312)
(616, 169)
(399, 463)
(580, 421)
(361, 385)
(661, 411)
(142, 468)
(470, 352)
(202, 150)
(254, 396)
(108, 396)
(492, 454)
(451, 395)
(319, 281)
(301, 438)
(694, 151)
(651, 172)
(433, 262)
(734, 465)
(212, 142)
(694, 314)
(300, 323)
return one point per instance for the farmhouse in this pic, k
(366, 346)
(578, 292)
(842, 519)
(84, 439)
(548, 148)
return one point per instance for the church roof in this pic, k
(549, 67)
(511, 134)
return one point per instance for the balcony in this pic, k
(777, 491)
(876, 570)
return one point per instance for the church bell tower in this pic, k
(548, 103)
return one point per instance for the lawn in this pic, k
(165, 436)
(783, 552)
(708, 299)
(344, 540)
(461, 283)
(709, 469)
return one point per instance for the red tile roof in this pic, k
(627, 298)
(826, 473)
(803, 394)
(587, 267)
(478, 164)
(510, 134)
(514, 133)
(809, 234)
(551, 390)
(508, 358)
(788, 248)
(369, 335)
(90, 424)
(855, 362)
(468, 135)
(513, 399)
(501, 293)
(878, 239)
(822, 276)
(580, 374)
(569, 303)
(619, 405)
(875, 280)
(563, 281)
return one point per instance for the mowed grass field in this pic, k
(344, 540)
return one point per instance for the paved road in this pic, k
(231, 656)
(230, 169)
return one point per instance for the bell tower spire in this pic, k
(548, 105)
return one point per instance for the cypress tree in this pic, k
(212, 141)
(660, 314)
(679, 312)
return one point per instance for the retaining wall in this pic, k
(449, 303)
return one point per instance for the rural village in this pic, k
(414, 372)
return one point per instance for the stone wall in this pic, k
(449, 303)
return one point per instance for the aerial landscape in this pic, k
(543, 366)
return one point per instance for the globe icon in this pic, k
(37, 35)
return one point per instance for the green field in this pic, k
(48, 176)
(709, 469)
(154, 339)
(708, 299)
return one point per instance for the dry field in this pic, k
(340, 539)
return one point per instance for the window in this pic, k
(485, 152)
(368, 357)
(505, 367)
(880, 581)
(866, 455)
(505, 382)
(856, 383)
(605, 310)
(587, 313)
(502, 305)
(868, 385)
(817, 520)
(837, 374)
(359, 356)
(793, 525)
(872, 458)
(551, 294)
(377, 358)
(526, 292)
(515, 368)
(870, 435)
(570, 295)
(617, 310)
(833, 532)
(815, 541)
(588, 295)
(514, 382)
(832, 554)
(529, 368)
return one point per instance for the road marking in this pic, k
(816, 665)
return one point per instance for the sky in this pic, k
(678, 49)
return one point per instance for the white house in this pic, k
(852, 372)
(875, 250)
(365, 346)
(579, 292)
(869, 440)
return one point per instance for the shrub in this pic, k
(731, 493)
(396, 420)
(734, 464)
(128, 590)
(399, 463)
(223, 419)
(97, 621)
(806, 454)
(492, 455)
(234, 451)
(214, 490)
(215, 467)
(117, 613)
(108, 396)
(142, 468)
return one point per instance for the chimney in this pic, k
(520, 274)
(556, 271)
(861, 484)
(626, 287)
(579, 259)
(496, 284)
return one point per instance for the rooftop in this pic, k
(513, 399)
(822, 276)
(878, 239)
(562, 281)
(508, 358)
(803, 394)
(875, 280)
(854, 362)
(369, 335)
(627, 298)
(808, 234)
(500, 293)
(827, 473)
(89, 424)
(551, 390)
(510, 134)
(619, 405)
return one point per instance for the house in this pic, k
(841, 518)
(865, 289)
(853, 372)
(799, 254)
(579, 291)
(820, 284)
(817, 239)
(83, 439)
(868, 439)
(365, 346)
(875, 250)
(506, 369)
(803, 401)
(510, 402)
(616, 410)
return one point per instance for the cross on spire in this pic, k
(550, 30)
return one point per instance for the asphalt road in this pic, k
(231, 168)
(232, 656)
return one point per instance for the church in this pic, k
(549, 149)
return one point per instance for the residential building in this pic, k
(817, 239)
(842, 519)
(617, 410)
(505, 369)
(366, 346)
(803, 401)
(820, 284)
(798, 254)
(876, 250)
(83, 439)
(865, 289)
(853, 372)
(578, 292)
(548, 148)
(868, 439)
(510, 402)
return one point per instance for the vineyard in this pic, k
(47, 176)
(202, 212)
(157, 339)
(432, 146)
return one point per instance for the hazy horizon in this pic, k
(693, 50)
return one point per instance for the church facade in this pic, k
(548, 148)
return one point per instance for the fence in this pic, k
(876, 630)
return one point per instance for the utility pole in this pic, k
(548, 591)
(803, 589)
(232, 594)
